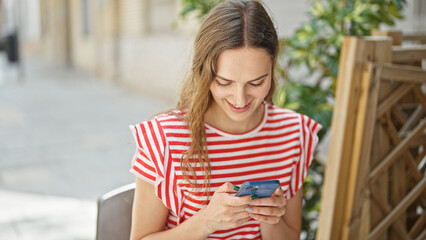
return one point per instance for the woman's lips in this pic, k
(239, 110)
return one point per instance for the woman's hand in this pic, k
(269, 210)
(224, 210)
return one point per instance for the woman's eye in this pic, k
(222, 84)
(257, 84)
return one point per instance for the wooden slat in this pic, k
(344, 193)
(420, 97)
(398, 183)
(414, 37)
(409, 159)
(404, 73)
(422, 236)
(413, 119)
(421, 156)
(386, 208)
(365, 227)
(409, 106)
(418, 226)
(363, 137)
(395, 35)
(415, 173)
(408, 54)
(393, 98)
(398, 37)
(397, 192)
(396, 152)
(382, 146)
(353, 61)
(399, 115)
(343, 122)
(420, 141)
(400, 208)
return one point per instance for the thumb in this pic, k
(226, 188)
(278, 192)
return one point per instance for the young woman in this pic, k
(224, 131)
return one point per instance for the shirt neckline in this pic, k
(242, 135)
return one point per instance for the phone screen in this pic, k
(260, 188)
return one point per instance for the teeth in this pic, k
(235, 106)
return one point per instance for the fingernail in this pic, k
(249, 209)
(236, 188)
(251, 215)
(254, 196)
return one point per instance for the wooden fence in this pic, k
(375, 183)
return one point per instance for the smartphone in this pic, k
(260, 188)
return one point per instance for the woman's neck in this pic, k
(216, 117)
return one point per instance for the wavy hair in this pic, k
(230, 25)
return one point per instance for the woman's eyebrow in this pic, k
(258, 78)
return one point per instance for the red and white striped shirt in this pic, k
(280, 147)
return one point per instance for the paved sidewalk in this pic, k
(33, 216)
(64, 141)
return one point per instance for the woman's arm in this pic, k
(149, 215)
(286, 227)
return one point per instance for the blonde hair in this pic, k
(230, 25)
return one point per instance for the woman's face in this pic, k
(242, 81)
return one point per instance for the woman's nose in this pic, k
(240, 97)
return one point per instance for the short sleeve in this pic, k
(148, 162)
(308, 141)
(151, 163)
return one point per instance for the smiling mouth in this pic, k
(239, 109)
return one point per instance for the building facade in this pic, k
(141, 44)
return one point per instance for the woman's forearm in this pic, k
(280, 230)
(192, 229)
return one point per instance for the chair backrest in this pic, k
(115, 214)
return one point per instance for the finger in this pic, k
(278, 192)
(268, 211)
(238, 201)
(237, 209)
(266, 219)
(270, 201)
(241, 215)
(242, 208)
(226, 188)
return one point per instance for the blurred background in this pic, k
(73, 75)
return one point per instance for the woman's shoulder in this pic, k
(286, 115)
(172, 117)
(274, 110)
(158, 127)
